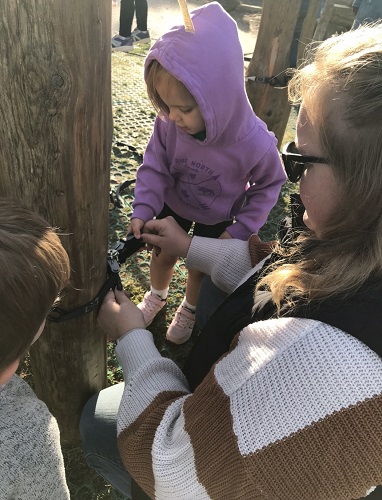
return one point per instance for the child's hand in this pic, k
(118, 315)
(135, 227)
(167, 235)
(225, 236)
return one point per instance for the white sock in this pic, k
(188, 306)
(161, 294)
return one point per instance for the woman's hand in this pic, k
(167, 235)
(118, 315)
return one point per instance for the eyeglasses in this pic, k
(295, 163)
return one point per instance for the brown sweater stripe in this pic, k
(221, 470)
(258, 249)
(325, 449)
(135, 442)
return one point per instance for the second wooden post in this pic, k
(271, 58)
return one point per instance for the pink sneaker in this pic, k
(181, 326)
(150, 307)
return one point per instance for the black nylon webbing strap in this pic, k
(117, 255)
(58, 315)
(273, 81)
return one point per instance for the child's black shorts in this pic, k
(206, 230)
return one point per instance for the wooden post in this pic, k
(55, 136)
(271, 58)
(308, 28)
(324, 21)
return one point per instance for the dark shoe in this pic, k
(122, 44)
(140, 36)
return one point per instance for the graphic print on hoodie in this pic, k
(235, 172)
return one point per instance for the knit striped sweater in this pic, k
(293, 411)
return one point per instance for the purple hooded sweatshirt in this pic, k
(236, 171)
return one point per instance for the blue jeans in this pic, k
(209, 299)
(98, 427)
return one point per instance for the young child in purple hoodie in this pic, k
(210, 160)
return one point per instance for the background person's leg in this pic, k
(126, 17)
(98, 428)
(141, 14)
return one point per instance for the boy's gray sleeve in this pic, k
(31, 461)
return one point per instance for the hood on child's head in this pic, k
(210, 63)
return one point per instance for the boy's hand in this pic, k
(118, 315)
(167, 235)
(225, 236)
(135, 227)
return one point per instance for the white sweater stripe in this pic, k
(172, 450)
(138, 355)
(287, 385)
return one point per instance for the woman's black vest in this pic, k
(359, 315)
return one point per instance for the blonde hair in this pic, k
(341, 89)
(156, 72)
(34, 268)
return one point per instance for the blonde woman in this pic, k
(293, 409)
